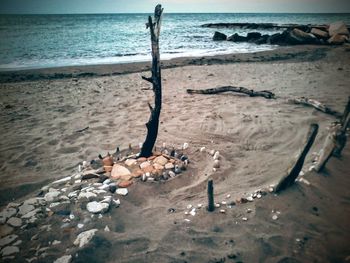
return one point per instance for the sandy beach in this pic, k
(43, 110)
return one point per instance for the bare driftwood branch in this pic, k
(153, 122)
(84, 129)
(294, 171)
(335, 140)
(315, 104)
(264, 93)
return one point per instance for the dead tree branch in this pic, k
(294, 171)
(153, 122)
(264, 93)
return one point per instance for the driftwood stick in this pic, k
(156, 80)
(315, 104)
(211, 206)
(335, 140)
(264, 93)
(293, 173)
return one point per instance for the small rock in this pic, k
(157, 166)
(250, 198)
(64, 259)
(80, 226)
(97, 207)
(216, 155)
(116, 202)
(7, 240)
(13, 205)
(31, 214)
(119, 171)
(244, 219)
(177, 169)
(212, 152)
(87, 195)
(185, 146)
(217, 205)
(223, 211)
(145, 164)
(7, 213)
(122, 191)
(160, 160)
(84, 237)
(112, 188)
(5, 230)
(124, 184)
(172, 174)
(52, 196)
(274, 217)
(106, 229)
(25, 208)
(202, 149)
(14, 221)
(169, 166)
(216, 164)
(6, 251)
(130, 162)
(56, 242)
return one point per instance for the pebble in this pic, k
(5, 230)
(200, 205)
(271, 189)
(301, 173)
(172, 174)
(6, 251)
(87, 195)
(97, 207)
(56, 242)
(122, 191)
(64, 259)
(217, 205)
(274, 217)
(250, 198)
(214, 169)
(7, 240)
(216, 164)
(193, 212)
(160, 160)
(177, 169)
(212, 152)
(7, 213)
(312, 167)
(106, 229)
(244, 219)
(249, 210)
(17, 243)
(187, 220)
(202, 149)
(107, 181)
(223, 211)
(14, 221)
(258, 196)
(52, 196)
(80, 225)
(185, 146)
(216, 155)
(130, 162)
(84, 237)
(112, 188)
(169, 166)
(31, 214)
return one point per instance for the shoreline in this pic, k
(281, 53)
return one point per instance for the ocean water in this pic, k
(39, 41)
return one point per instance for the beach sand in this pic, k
(257, 139)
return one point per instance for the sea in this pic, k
(42, 41)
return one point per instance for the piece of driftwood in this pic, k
(264, 93)
(211, 206)
(335, 140)
(315, 104)
(84, 129)
(294, 171)
(153, 122)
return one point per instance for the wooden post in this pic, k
(156, 80)
(211, 206)
(295, 170)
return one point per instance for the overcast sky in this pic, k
(171, 6)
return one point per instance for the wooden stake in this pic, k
(153, 122)
(295, 170)
(211, 206)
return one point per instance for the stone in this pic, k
(112, 188)
(251, 36)
(13, 205)
(122, 191)
(31, 214)
(338, 39)
(97, 207)
(297, 37)
(119, 171)
(64, 259)
(145, 165)
(142, 159)
(237, 38)
(52, 196)
(87, 195)
(61, 181)
(262, 40)
(116, 202)
(7, 213)
(202, 149)
(25, 208)
(6, 251)
(161, 160)
(216, 155)
(338, 28)
(157, 166)
(169, 166)
(137, 173)
(14, 221)
(7, 240)
(5, 230)
(274, 217)
(177, 169)
(84, 237)
(319, 33)
(216, 164)
(219, 36)
(124, 184)
(130, 162)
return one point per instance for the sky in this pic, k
(173, 6)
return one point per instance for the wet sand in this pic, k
(257, 140)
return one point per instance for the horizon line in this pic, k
(122, 13)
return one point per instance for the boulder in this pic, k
(219, 36)
(262, 40)
(338, 39)
(298, 37)
(84, 237)
(119, 171)
(338, 28)
(319, 33)
(278, 38)
(237, 38)
(252, 36)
